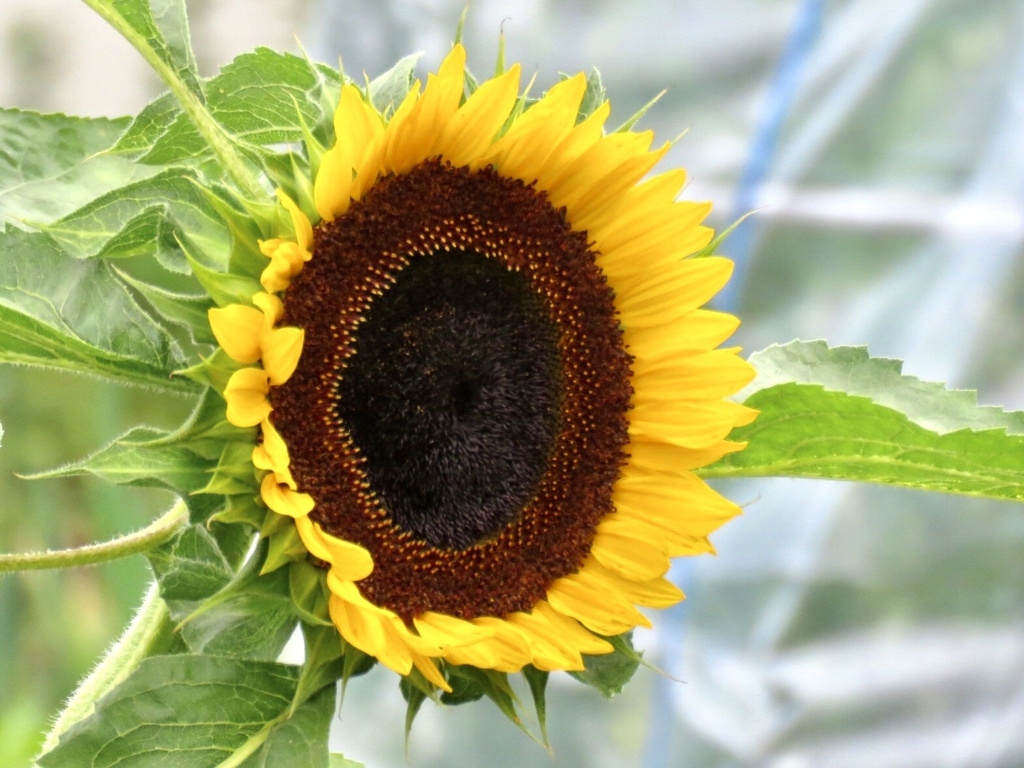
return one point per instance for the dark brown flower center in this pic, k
(459, 407)
(452, 395)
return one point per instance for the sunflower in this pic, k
(482, 376)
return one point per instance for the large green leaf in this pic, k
(148, 217)
(853, 371)
(59, 312)
(51, 165)
(924, 436)
(159, 30)
(196, 711)
(258, 98)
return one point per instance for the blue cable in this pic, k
(779, 101)
(778, 104)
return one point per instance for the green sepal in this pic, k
(241, 509)
(464, 690)
(415, 690)
(537, 680)
(308, 588)
(245, 259)
(608, 673)
(224, 288)
(712, 248)
(150, 217)
(495, 686)
(234, 473)
(190, 567)
(213, 371)
(637, 116)
(291, 174)
(285, 544)
(186, 311)
(141, 457)
(387, 91)
(324, 662)
(207, 423)
(593, 97)
(314, 148)
(356, 663)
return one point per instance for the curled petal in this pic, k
(246, 396)
(281, 350)
(283, 500)
(237, 329)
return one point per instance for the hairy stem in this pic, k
(190, 102)
(147, 634)
(153, 535)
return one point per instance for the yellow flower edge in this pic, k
(679, 421)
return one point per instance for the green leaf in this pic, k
(159, 25)
(141, 457)
(190, 567)
(301, 740)
(251, 617)
(186, 311)
(50, 165)
(257, 98)
(853, 371)
(608, 673)
(388, 90)
(809, 429)
(58, 312)
(148, 217)
(196, 711)
(324, 662)
(340, 761)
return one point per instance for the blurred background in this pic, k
(883, 144)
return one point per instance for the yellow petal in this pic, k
(283, 500)
(668, 295)
(448, 631)
(506, 651)
(629, 557)
(414, 138)
(332, 187)
(349, 562)
(699, 329)
(522, 150)
(272, 308)
(303, 229)
(237, 330)
(598, 610)
(271, 453)
(705, 376)
(660, 457)
(246, 396)
(281, 350)
(472, 129)
(652, 593)
(687, 424)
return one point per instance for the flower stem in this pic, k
(147, 634)
(190, 101)
(153, 535)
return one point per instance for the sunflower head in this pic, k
(482, 376)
